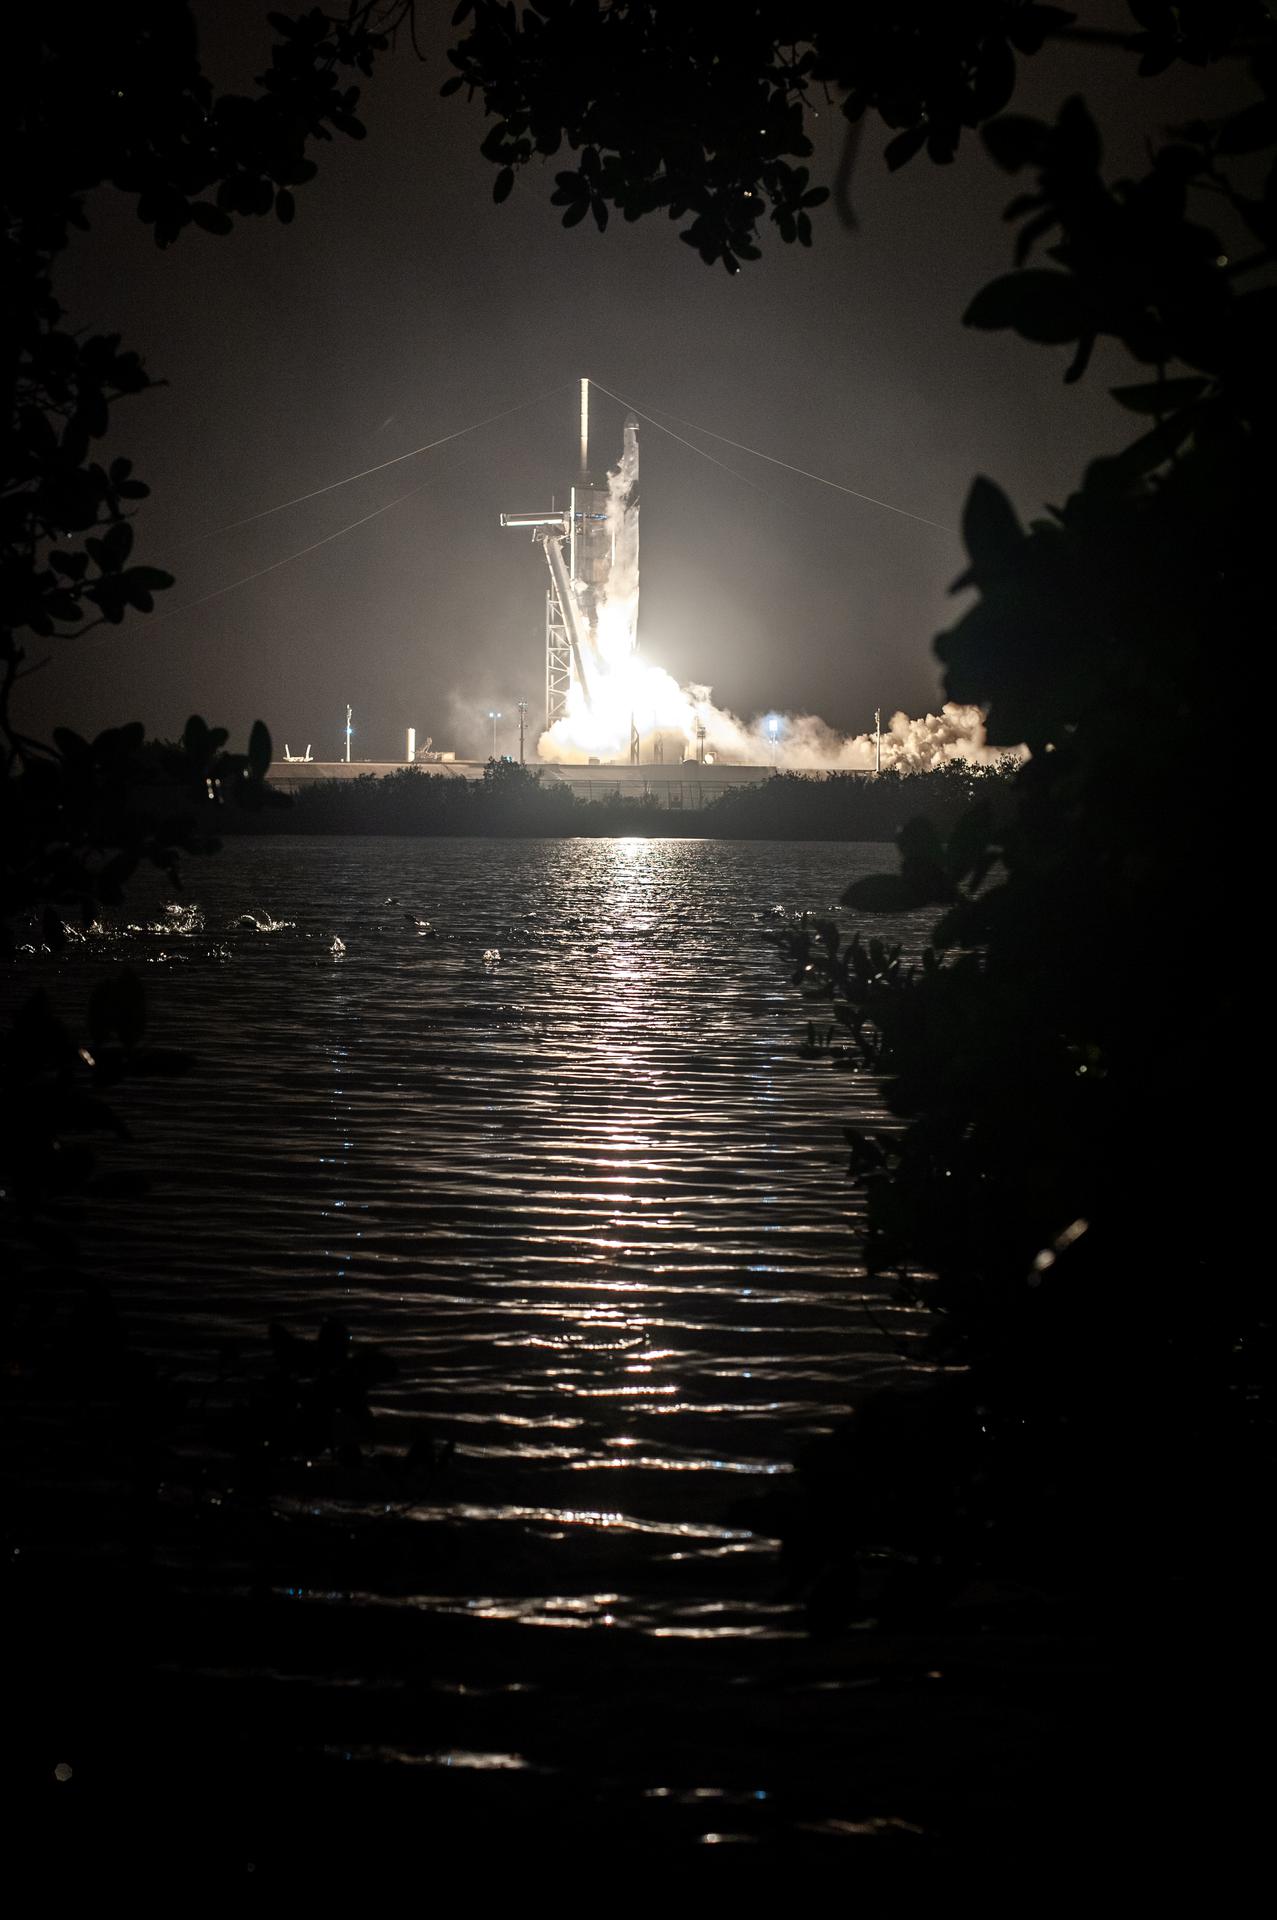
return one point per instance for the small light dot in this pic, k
(62, 1771)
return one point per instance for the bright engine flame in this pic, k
(675, 723)
(669, 714)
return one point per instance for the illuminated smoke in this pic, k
(625, 689)
(669, 713)
(805, 742)
(617, 635)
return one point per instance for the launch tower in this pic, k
(580, 546)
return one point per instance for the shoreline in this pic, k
(512, 801)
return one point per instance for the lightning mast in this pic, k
(585, 430)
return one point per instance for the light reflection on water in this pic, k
(587, 1195)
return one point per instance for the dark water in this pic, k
(531, 1116)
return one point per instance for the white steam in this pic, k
(801, 742)
(805, 742)
(617, 634)
(682, 723)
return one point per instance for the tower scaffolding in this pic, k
(580, 546)
(558, 660)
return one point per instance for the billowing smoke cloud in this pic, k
(617, 630)
(804, 742)
(682, 723)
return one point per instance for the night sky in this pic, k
(403, 305)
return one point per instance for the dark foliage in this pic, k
(1064, 1079)
(76, 820)
(515, 801)
(116, 97)
(852, 806)
(699, 112)
(111, 97)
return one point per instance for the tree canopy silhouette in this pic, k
(113, 98)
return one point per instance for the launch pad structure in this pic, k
(591, 554)
(579, 578)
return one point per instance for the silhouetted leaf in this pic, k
(1142, 457)
(1160, 396)
(919, 840)
(1077, 138)
(1249, 131)
(1028, 27)
(1016, 141)
(967, 852)
(1039, 304)
(905, 145)
(211, 218)
(991, 531)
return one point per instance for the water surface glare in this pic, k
(531, 1114)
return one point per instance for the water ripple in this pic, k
(588, 1197)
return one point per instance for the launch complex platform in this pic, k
(597, 689)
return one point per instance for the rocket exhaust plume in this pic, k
(619, 707)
